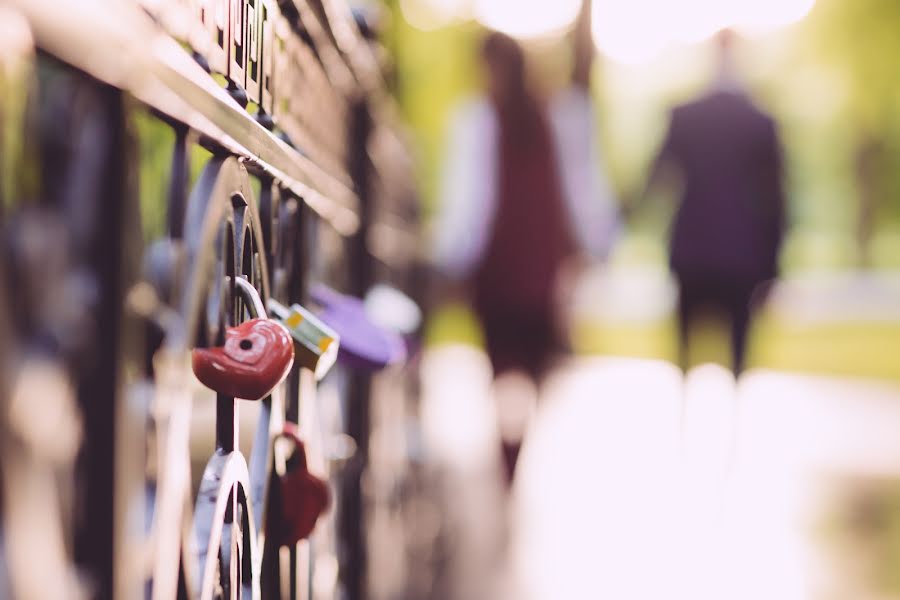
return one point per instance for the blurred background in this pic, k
(637, 480)
(825, 70)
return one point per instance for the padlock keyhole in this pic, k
(246, 344)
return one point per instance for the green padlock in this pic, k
(315, 343)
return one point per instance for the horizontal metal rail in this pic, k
(119, 44)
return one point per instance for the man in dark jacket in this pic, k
(728, 225)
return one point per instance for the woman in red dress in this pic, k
(523, 195)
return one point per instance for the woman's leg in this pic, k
(520, 347)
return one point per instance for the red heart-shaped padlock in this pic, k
(303, 497)
(255, 358)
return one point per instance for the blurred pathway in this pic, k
(620, 497)
(642, 294)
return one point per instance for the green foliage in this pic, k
(156, 145)
(858, 41)
(434, 70)
(156, 141)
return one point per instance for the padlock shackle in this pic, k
(292, 433)
(251, 297)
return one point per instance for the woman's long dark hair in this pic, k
(518, 109)
(530, 237)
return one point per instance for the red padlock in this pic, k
(303, 497)
(256, 357)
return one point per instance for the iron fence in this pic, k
(285, 171)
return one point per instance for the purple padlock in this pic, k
(364, 345)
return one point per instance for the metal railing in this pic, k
(285, 167)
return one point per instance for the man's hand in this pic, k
(568, 279)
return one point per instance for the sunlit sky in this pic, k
(627, 31)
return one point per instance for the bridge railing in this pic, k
(283, 172)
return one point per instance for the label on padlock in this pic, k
(364, 345)
(316, 344)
